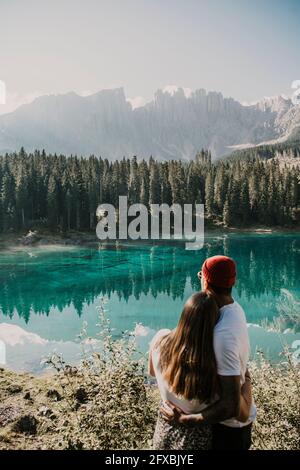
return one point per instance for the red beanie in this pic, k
(220, 271)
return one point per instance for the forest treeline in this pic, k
(290, 149)
(62, 193)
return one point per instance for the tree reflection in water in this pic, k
(34, 283)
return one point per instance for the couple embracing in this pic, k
(201, 369)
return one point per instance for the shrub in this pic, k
(111, 405)
(276, 391)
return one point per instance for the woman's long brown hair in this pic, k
(187, 356)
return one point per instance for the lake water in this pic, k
(47, 293)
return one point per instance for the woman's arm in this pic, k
(246, 399)
(153, 345)
(150, 364)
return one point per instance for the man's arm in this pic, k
(227, 406)
(246, 399)
(227, 352)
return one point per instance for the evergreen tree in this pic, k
(52, 203)
(255, 186)
(209, 194)
(22, 195)
(226, 216)
(154, 186)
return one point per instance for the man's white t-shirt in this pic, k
(231, 346)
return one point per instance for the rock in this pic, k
(27, 396)
(43, 241)
(47, 412)
(67, 242)
(14, 388)
(26, 424)
(54, 394)
(30, 238)
(8, 413)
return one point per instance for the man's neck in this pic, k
(223, 300)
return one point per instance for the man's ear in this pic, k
(204, 284)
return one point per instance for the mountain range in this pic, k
(173, 125)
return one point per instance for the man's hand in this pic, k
(173, 414)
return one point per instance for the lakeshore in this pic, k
(40, 238)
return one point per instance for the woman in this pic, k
(184, 364)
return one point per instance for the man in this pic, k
(231, 345)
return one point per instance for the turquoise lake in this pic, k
(47, 293)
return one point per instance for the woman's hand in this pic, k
(173, 414)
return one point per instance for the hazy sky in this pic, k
(245, 49)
